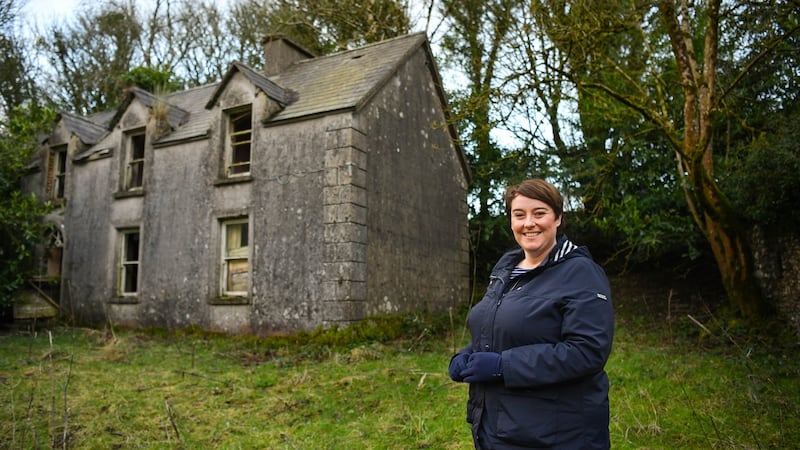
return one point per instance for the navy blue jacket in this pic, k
(553, 328)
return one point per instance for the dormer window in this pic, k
(134, 160)
(57, 176)
(238, 145)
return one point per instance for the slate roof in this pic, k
(341, 81)
(176, 116)
(273, 91)
(194, 102)
(344, 80)
(89, 132)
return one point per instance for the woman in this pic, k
(541, 337)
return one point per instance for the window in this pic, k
(57, 172)
(240, 127)
(235, 257)
(129, 263)
(134, 161)
(60, 173)
(55, 246)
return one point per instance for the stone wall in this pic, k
(777, 260)
(355, 212)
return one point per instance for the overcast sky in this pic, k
(47, 10)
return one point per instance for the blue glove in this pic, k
(483, 367)
(458, 363)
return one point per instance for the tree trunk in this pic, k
(710, 207)
(726, 235)
(735, 261)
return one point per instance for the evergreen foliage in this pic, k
(21, 227)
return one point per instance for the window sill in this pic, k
(229, 300)
(126, 300)
(233, 180)
(127, 194)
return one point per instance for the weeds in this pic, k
(677, 382)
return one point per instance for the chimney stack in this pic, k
(280, 52)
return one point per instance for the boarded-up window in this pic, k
(235, 257)
(55, 245)
(129, 263)
(240, 127)
(134, 166)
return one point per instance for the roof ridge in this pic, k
(80, 117)
(363, 47)
(193, 88)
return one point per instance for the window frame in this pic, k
(236, 139)
(226, 258)
(125, 265)
(58, 172)
(131, 160)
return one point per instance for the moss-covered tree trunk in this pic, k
(711, 209)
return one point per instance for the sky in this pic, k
(41, 13)
(48, 10)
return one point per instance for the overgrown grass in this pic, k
(380, 385)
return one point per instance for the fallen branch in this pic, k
(172, 420)
(66, 410)
(199, 375)
(697, 322)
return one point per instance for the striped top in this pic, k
(518, 272)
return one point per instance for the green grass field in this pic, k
(382, 385)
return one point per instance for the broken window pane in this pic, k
(239, 139)
(134, 172)
(60, 172)
(129, 263)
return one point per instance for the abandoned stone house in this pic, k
(315, 192)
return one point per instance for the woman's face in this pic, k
(534, 225)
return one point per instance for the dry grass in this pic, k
(673, 386)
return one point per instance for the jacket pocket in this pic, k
(529, 418)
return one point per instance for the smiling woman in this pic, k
(541, 337)
(535, 210)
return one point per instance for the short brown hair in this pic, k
(537, 189)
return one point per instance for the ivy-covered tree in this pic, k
(16, 84)
(677, 69)
(476, 45)
(21, 227)
(157, 81)
(90, 55)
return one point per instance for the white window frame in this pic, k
(129, 267)
(234, 256)
(134, 161)
(238, 140)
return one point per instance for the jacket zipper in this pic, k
(494, 278)
(500, 280)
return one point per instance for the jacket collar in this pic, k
(564, 249)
